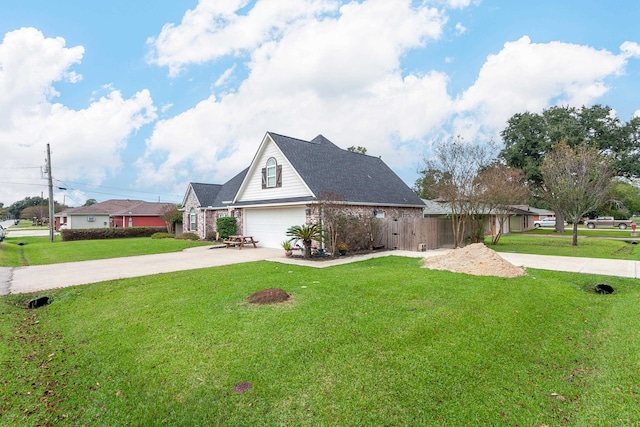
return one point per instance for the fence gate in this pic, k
(413, 234)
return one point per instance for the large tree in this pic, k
(502, 187)
(576, 180)
(528, 138)
(623, 201)
(456, 164)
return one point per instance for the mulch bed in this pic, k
(329, 257)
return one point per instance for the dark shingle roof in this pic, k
(206, 193)
(358, 178)
(216, 195)
(121, 207)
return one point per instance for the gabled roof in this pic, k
(205, 193)
(217, 195)
(358, 178)
(116, 207)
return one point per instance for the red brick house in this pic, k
(114, 213)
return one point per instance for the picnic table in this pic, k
(240, 241)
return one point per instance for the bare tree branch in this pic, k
(575, 181)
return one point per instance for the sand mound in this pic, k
(474, 259)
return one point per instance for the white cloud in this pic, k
(339, 75)
(335, 67)
(214, 29)
(458, 4)
(85, 144)
(337, 70)
(29, 64)
(630, 49)
(531, 76)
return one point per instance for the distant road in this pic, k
(21, 232)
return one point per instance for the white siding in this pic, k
(292, 185)
(77, 222)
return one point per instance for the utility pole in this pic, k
(51, 205)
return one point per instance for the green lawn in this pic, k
(19, 251)
(28, 225)
(379, 342)
(583, 232)
(555, 244)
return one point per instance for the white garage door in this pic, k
(269, 226)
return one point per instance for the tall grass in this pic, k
(379, 342)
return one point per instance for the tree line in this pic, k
(574, 161)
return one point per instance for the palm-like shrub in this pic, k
(307, 233)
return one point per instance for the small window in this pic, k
(192, 220)
(379, 214)
(271, 172)
(91, 218)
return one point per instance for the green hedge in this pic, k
(227, 226)
(109, 233)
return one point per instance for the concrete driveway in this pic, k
(43, 277)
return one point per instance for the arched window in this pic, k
(192, 220)
(271, 172)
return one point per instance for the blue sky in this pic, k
(138, 98)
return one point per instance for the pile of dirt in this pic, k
(474, 259)
(268, 296)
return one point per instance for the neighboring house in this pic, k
(521, 217)
(114, 213)
(435, 209)
(286, 180)
(542, 213)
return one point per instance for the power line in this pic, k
(167, 197)
(119, 189)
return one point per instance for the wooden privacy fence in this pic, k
(414, 234)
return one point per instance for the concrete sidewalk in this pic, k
(39, 278)
(600, 266)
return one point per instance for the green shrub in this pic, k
(163, 236)
(227, 226)
(109, 233)
(188, 236)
